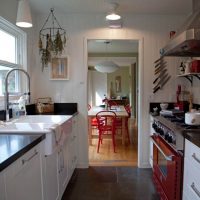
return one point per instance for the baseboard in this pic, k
(82, 165)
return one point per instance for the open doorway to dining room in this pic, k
(120, 86)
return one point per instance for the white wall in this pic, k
(155, 32)
(153, 29)
(98, 87)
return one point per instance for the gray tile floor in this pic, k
(111, 183)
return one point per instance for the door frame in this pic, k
(140, 89)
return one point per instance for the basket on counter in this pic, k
(44, 105)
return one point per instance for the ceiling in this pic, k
(112, 46)
(102, 6)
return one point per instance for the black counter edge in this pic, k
(20, 153)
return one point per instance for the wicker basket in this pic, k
(44, 105)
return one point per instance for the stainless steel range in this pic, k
(168, 151)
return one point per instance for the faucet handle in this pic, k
(27, 93)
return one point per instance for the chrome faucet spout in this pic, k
(6, 96)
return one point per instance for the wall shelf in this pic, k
(189, 76)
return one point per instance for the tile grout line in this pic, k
(117, 174)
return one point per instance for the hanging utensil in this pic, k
(161, 83)
(160, 76)
(161, 58)
(162, 62)
(159, 69)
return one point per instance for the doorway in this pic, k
(125, 54)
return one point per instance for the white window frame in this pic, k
(21, 53)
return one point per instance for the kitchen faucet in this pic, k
(7, 93)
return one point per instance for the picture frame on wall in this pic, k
(59, 68)
(118, 84)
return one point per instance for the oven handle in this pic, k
(168, 158)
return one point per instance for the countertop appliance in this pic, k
(168, 153)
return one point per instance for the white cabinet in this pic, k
(191, 182)
(59, 167)
(2, 187)
(151, 143)
(23, 178)
(50, 178)
(73, 146)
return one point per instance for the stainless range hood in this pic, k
(187, 41)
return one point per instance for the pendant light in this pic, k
(106, 66)
(24, 14)
(112, 15)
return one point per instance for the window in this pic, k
(12, 55)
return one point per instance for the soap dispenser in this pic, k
(22, 105)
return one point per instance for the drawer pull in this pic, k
(197, 159)
(28, 159)
(195, 190)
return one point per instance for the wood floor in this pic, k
(126, 155)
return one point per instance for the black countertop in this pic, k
(193, 137)
(14, 146)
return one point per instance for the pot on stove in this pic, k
(192, 118)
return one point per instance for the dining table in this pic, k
(120, 112)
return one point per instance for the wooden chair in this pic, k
(93, 120)
(106, 126)
(128, 110)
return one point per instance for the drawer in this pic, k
(191, 181)
(190, 149)
(192, 154)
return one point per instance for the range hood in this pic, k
(187, 41)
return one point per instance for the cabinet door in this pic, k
(2, 187)
(74, 146)
(23, 178)
(151, 143)
(50, 178)
(63, 168)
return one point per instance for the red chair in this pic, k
(93, 120)
(128, 110)
(106, 126)
(112, 103)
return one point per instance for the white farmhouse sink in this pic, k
(54, 119)
(55, 127)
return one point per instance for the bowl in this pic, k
(164, 106)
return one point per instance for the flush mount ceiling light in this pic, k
(24, 14)
(106, 66)
(112, 15)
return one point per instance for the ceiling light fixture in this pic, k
(112, 15)
(24, 14)
(106, 66)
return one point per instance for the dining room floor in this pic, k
(125, 155)
(111, 183)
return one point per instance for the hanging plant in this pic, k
(45, 58)
(50, 41)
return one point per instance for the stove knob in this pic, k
(161, 132)
(154, 126)
(170, 139)
(166, 136)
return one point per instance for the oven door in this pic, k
(167, 169)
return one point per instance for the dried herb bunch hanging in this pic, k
(52, 40)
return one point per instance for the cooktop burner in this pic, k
(180, 121)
